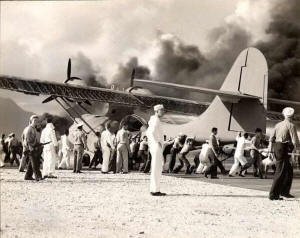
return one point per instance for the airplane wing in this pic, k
(81, 93)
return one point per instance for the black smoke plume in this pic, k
(90, 75)
(282, 51)
(123, 75)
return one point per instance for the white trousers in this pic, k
(156, 166)
(201, 168)
(65, 162)
(2, 157)
(122, 158)
(237, 160)
(106, 157)
(49, 161)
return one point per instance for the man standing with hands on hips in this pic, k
(155, 141)
(283, 140)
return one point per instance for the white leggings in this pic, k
(237, 160)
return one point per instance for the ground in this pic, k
(119, 205)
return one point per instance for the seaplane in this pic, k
(240, 105)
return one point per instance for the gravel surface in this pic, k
(97, 205)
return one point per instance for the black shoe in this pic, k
(60, 168)
(241, 175)
(275, 198)
(46, 176)
(225, 172)
(231, 176)
(29, 178)
(52, 176)
(215, 177)
(158, 194)
(288, 195)
(79, 172)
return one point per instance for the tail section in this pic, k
(248, 75)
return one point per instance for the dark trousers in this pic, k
(33, 165)
(174, 152)
(212, 170)
(24, 161)
(183, 161)
(112, 166)
(78, 153)
(283, 177)
(219, 164)
(13, 156)
(97, 159)
(257, 164)
(143, 158)
(147, 166)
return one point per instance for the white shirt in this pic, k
(108, 138)
(48, 135)
(242, 143)
(154, 131)
(65, 143)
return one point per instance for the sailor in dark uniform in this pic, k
(283, 140)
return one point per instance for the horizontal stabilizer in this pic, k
(283, 102)
(223, 94)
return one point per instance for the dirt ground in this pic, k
(116, 205)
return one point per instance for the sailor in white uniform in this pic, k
(50, 150)
(155, 141)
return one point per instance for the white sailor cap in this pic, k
(288, 112)
(11, 134)
(33, 117)
(158, 107)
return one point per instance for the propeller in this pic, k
(69, 69)
(132, 77)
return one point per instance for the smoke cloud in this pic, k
(84, 69)
(282, 51)
(123, 75)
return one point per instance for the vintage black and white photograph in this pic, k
(150, 119)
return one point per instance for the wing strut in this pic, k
(78, 114)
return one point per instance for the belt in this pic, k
(79, 144)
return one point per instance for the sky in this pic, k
(103, 37)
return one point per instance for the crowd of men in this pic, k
(118, 151)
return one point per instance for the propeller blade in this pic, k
(69, 70)
(132, 77)
(49, 99)
(133, 74)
